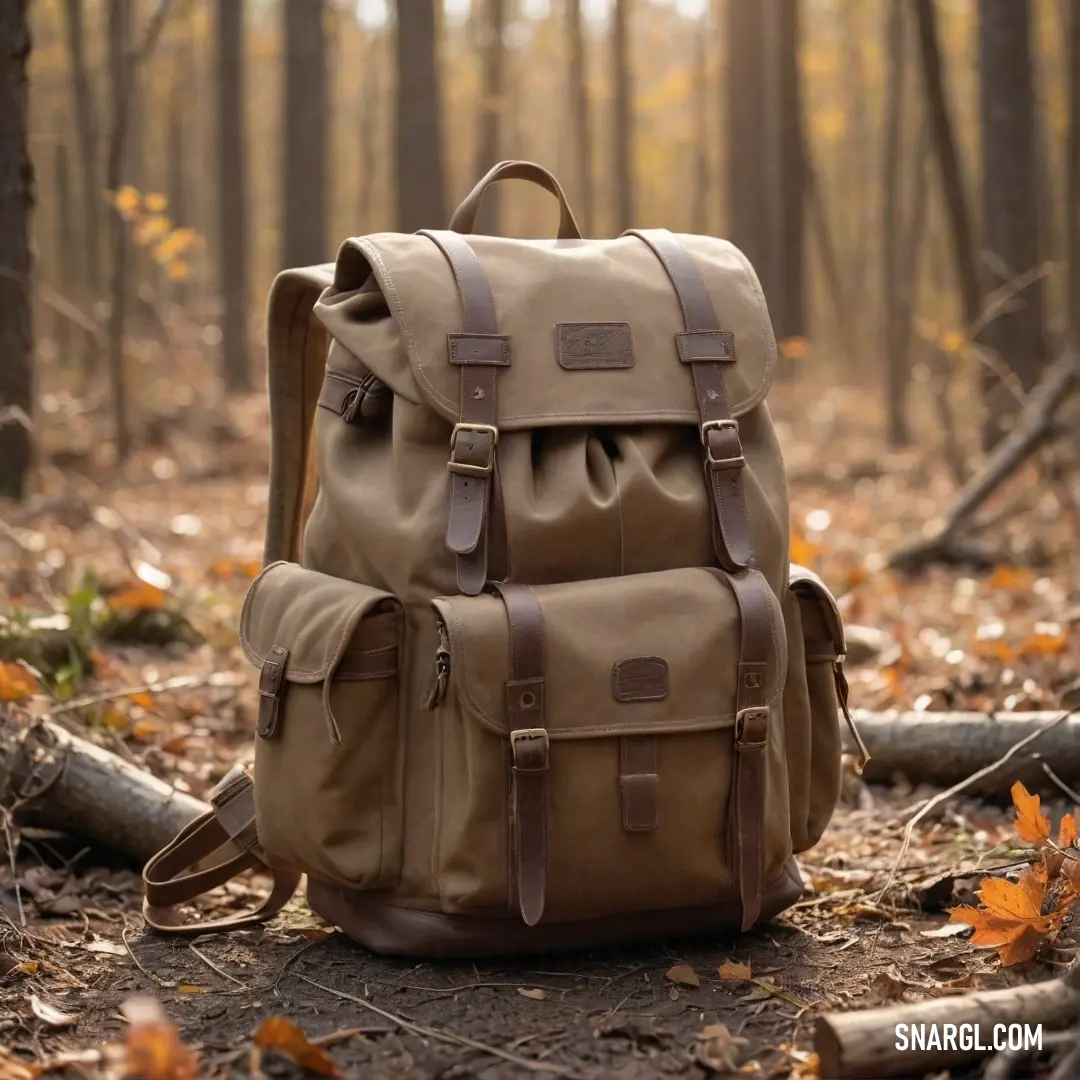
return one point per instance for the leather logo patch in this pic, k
(590, 346)
(640, 678)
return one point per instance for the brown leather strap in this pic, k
(214, 848)
(528, 748)
(464, 219)
(480, 351)
(639, 783)
(706, 348)
(353, 398)
(746, 813)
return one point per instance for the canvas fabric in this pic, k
(534, 669)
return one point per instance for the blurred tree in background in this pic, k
(903, 174)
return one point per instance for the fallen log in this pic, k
(910, 1040)
(941, 748)
(53, 778)
(1035, 427)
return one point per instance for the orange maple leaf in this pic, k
(1032, 824)
(1067, 831)
(1010, 918)
(287, 1038)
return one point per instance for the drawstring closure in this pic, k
(842, 698)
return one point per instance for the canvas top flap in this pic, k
(592, 325)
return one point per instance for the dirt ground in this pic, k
(73, 947)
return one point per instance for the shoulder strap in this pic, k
(216, 847)
(296, 351)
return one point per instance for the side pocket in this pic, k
(814, 696)
(328, 752)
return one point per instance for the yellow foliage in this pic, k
(174, 244)
(178, 270)
(674, 89)
(150, 228)
(952, 342)
(829, 124)
(794, 348)
(126, 201)
(156, 202)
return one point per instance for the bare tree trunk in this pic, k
(418, 153)
(232, 196)
(1072, 176)
(745, 150)
(1009, 198)
(86, 132)
(307, 108)
(622, 126)
(492, 16)
(119, 31)
(176, 154)
(789, 260)
(64, 249)
(699, 215)
(369, 109)
(962, 236)
(580, 116)
(897, 371)
(16, 205)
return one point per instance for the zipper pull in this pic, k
(442, 671)
(842, 697)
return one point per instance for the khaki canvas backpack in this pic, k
(534, 671)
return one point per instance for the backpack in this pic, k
(534, 671)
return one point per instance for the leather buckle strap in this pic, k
(480, 351)
(529, 749)
(271, 690)
(487, 438)
(707, 348)
(752, 728)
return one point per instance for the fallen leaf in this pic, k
(534, 994)
(1067, 831)
(139, 597)
(11, 1068)
(288, 1039)
(190, 988)
(718, 1049)
(806, 1070)
(683, 974)
(112, 948)
(49, 1014)
(1021, 902)
(1032, 824)
(730, 971)
(947, 930)
(16, 683)
(153, 1051)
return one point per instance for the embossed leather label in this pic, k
(640, 678)
(589, 346)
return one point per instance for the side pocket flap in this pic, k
(306, 621)
(821, 614)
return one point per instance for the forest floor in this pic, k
(174, 541)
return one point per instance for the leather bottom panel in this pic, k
(384, 928)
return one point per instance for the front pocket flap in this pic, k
(647, 653)
(312, 619)
(821, 616)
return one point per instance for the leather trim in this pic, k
(373, 920)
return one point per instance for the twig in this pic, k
(348, 1033)
(948, 793)
(138, 963)
(178, 682)
(1056, 780)
(213, 967)
(442, 1035)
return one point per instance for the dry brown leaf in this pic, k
(531, 992)
(1032, 824)
(50, 1014)
(288, 1039)
(152, 1049)
(11, 1068)
(1010, 917)
(1067, 831)
(718, 1049)
(731, 971)
(683, 974)
(806, 1070)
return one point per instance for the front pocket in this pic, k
(588, 737)
(328, 756)
(814, 696)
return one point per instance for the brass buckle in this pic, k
(748, 716)
(523, 734)
(715, 463)
(463, 468)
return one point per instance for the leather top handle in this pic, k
(464, 219)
